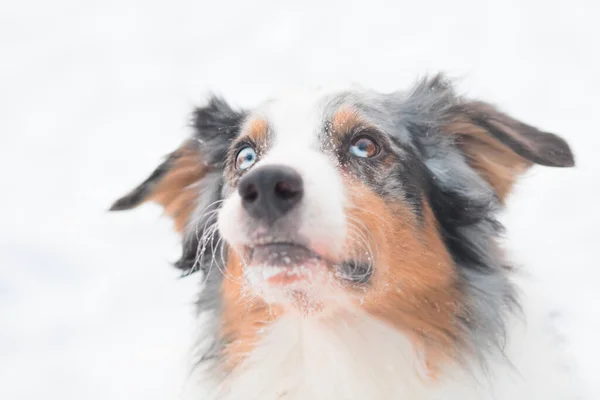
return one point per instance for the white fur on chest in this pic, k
(355, 356)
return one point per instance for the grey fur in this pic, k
(429, 160)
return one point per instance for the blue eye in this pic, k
(246, 157)
(364, 147)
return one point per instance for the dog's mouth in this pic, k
(297, 275)
(285, 263)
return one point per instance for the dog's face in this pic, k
(324, 202)
(334, 201)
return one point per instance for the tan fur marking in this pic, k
(497, 163)
(413, 284)
(343, 121)
(176, 191)
(258, 130)
(244, 314)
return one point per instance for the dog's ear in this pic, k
(171, 185)
(499, 147)
(177, 183)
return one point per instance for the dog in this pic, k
(349, 247)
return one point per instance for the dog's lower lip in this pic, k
(275, 244)
(281, 254)
(284, 263)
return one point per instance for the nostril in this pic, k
(287, 190)
(249, 192)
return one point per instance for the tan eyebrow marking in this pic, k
(343, 121)
(258, 130)
(345, 118)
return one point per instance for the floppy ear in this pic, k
(186, 177)
(171, 185)
(499, 147)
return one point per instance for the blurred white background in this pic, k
(93, 94)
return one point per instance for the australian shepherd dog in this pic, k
(347, 242)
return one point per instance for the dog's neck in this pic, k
(357, 357)
(351, 356)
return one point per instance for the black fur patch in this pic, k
(455, 213)
(215, 125)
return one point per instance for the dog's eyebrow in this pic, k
(343, 120)
(257, 129)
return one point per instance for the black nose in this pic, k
(269, 192)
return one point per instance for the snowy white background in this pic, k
(93, 94)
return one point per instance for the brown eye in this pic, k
(364, 147)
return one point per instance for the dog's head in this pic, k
(336, 201)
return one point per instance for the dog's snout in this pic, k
(270, 192)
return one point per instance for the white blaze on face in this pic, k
(296, 123)
(296, 128)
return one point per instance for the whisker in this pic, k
(367, 233)
(359, 237)
(362, 209)
(208, 235)
(224, 267)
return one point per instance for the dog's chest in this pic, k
(358, 358)
(349, 358)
